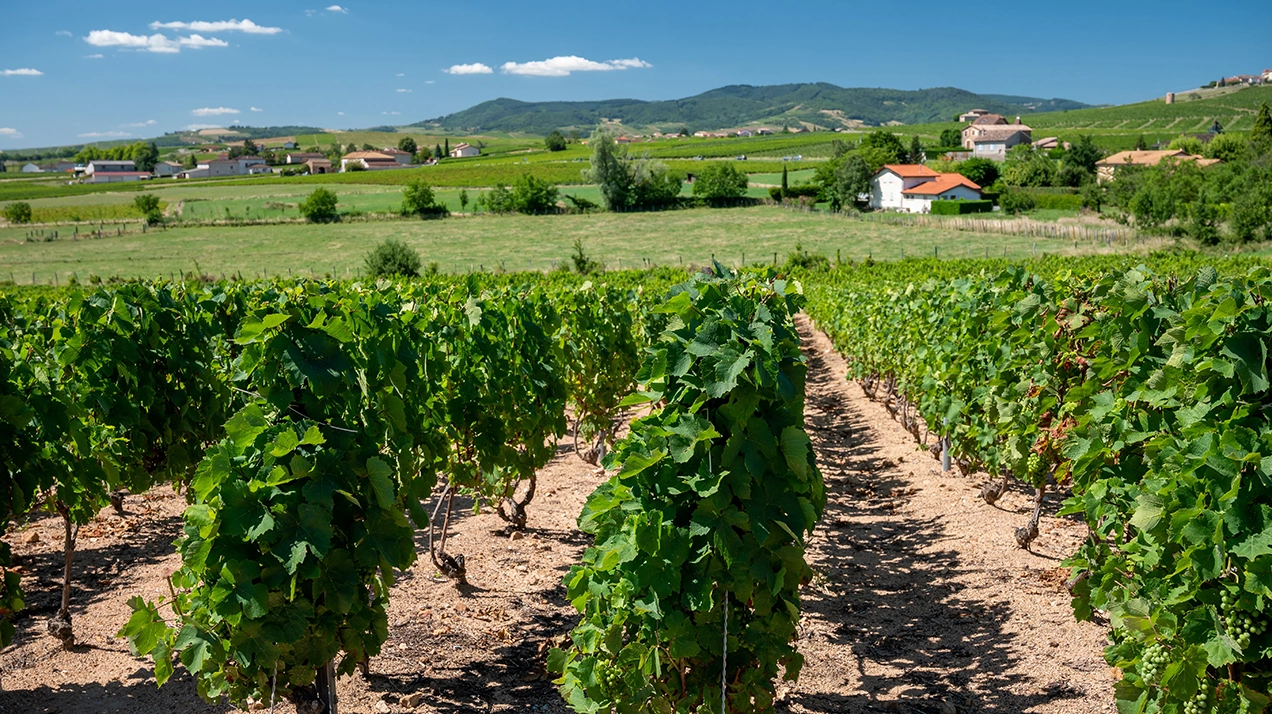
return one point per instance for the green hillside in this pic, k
(820, 105)
(1235, 112)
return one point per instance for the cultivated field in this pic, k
(491, 242)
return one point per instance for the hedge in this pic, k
(958, 208)
(1071, 202)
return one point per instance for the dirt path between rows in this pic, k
(922, 602)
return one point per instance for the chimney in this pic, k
(1017, 118)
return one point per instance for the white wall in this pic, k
(885, 191)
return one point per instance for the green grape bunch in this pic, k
(1202, 702)
(1153, 662)
(1240, 624)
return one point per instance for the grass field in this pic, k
(516, 242)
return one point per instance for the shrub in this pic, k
(320, 207)
(982, 172)
(804, 260)
(533, 195)
(720, 182)
(1014, 202)
(19, 212)
(584, 263)
(418, 199)
(958, 208)
(147, 204)
(393, 258)
(1065, 202)
(555, 141)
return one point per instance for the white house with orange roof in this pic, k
(911, 188)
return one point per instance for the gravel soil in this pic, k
(921, 603)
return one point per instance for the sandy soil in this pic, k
(922, 601)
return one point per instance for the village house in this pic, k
(1051, 142)
(225, 166)
(745, 132)
(911, 188)
(32, 169)
(464, 151)
(301, 157)
(318, 166)
(113, 172)
(764, 131)
(403, 158)
(166, 169)
(1106, 169)
(972, 115)
(992, 140)
(369, 160)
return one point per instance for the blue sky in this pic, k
(79, 71)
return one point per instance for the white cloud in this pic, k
(400, 74)
(149, 43)
(148, 122)
(214, 111)
(475, 68)
(10, 133)
(563, 66)
(257, 109)
(404, 91)
(104, 135)
(93, 56)
(340, 114)
(198, 42)
(220, 26)
(431, 81)
(62, 33)
(24, 72)
(390, 113)
(337, 8)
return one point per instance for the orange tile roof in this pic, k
(910, 170)
(941, 184)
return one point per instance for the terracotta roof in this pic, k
(943, 183)
(999, 132)
(367, 155)
(395, 152)
(910, 170)
(990, 119)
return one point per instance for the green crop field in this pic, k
(518, 242)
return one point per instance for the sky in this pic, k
(78, 71)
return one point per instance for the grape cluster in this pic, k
(1240, 624)
(1034, 464)
(610, 677)
(1201, 703)
(1153, 661)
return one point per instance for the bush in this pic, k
(584, 263)
(418, 199)
(982, 172)
(147, 204)
(803, 190)
(392, 259)
(719, 182)
(533, 195)
(19, 212)
(320, 207)
(804, 260)
(1014, 202)
(555, 141)
(958, 208)
(1064, 202)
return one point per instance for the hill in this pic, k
(1235, 111)
(813, 105)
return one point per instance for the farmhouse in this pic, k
(1051, 142)
(912, 188)
(972, 115)
(992, 140)
(369, 160)
(403, 158)
(224, 166)
(165, 169)
(1106, 169)
(318, 166)
(300, 157)
(464, 151)
(32, 169)
(988, 118)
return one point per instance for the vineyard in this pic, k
(331, 440)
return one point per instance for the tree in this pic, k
(145, 156)
(720, 182)
(533, 195)
(147, 204)
(852, 179)
(19, 212)
(1141, 144)
(408, 145)
(393, 259)
(320, 207)
(982, 172)
(1262, 129)
(608, 172)
(368, 147)
(1084, 154)
(418, 199)
(555, 141)
(887, 143)
(684, 131)
(1026, 166)
(915, 154)
(250, 148)
(785, 182)
(437, 152)
(951, 138)
(446, 147)
(463, 200)
(653, 184)
(188, 162)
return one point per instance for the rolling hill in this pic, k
(813, 105)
